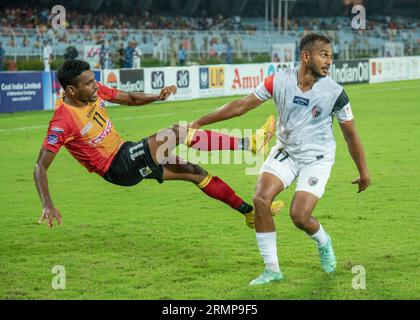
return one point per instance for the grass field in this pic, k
(170, 241)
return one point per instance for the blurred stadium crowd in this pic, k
(25, 31)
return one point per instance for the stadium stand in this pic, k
(23, 31)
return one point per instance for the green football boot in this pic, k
(326, 253)
(266, 277)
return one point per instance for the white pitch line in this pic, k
(118, 119)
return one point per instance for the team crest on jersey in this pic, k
(102, 104)
(301, 101)
(316, 112)
(312, 181)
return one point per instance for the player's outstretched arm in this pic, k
(140, 98)
(49, 212)
(357, 153)
(230, 110)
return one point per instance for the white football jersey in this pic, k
(304, 126)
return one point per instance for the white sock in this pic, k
(267, 242)
(321, 237)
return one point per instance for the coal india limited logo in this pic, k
(183, 79)
(312, 181)
(158, 80)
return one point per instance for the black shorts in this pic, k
(132, 164)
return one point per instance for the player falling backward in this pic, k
(306, 99)
(81, 123)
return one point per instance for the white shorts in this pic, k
(311, 177)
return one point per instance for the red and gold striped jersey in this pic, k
(87, 133)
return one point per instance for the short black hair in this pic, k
(309, 40)
(70, 70)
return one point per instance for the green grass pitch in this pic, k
(170, 241)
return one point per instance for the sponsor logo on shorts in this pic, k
(145, 171)
(312, 181)
(301, 101)
(52, 138)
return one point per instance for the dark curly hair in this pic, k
(70, 70)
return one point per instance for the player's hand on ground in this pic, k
(166, 92)
(49, 214)
(363, 182)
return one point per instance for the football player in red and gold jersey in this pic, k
(81, 124)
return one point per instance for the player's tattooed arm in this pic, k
(140, 98)
(49, 212)
(230, 110)
(357, 153)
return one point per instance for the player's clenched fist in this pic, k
(49, 214)
(166, 92)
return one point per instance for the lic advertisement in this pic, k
(21, 91)
(211, 81)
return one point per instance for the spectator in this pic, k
(102, 54)
(128, 55)
(109, 55)
(159, 49)
(229, 53)
(137, 57)
(182, 55)
(71, 53)
(121, 51)
(1, 56)
(47, 56)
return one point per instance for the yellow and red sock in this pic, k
(218, 189)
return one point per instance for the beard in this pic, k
(316, 73)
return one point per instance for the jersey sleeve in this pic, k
(106, 93)
(58, 132)
(264, 90)
(342, 108)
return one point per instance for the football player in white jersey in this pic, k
(307, 100)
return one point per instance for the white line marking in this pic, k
(123, 118)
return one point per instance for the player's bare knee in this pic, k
(262, 201)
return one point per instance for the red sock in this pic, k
(207, 140)
(216, 188)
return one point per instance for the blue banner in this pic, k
(21, 91)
